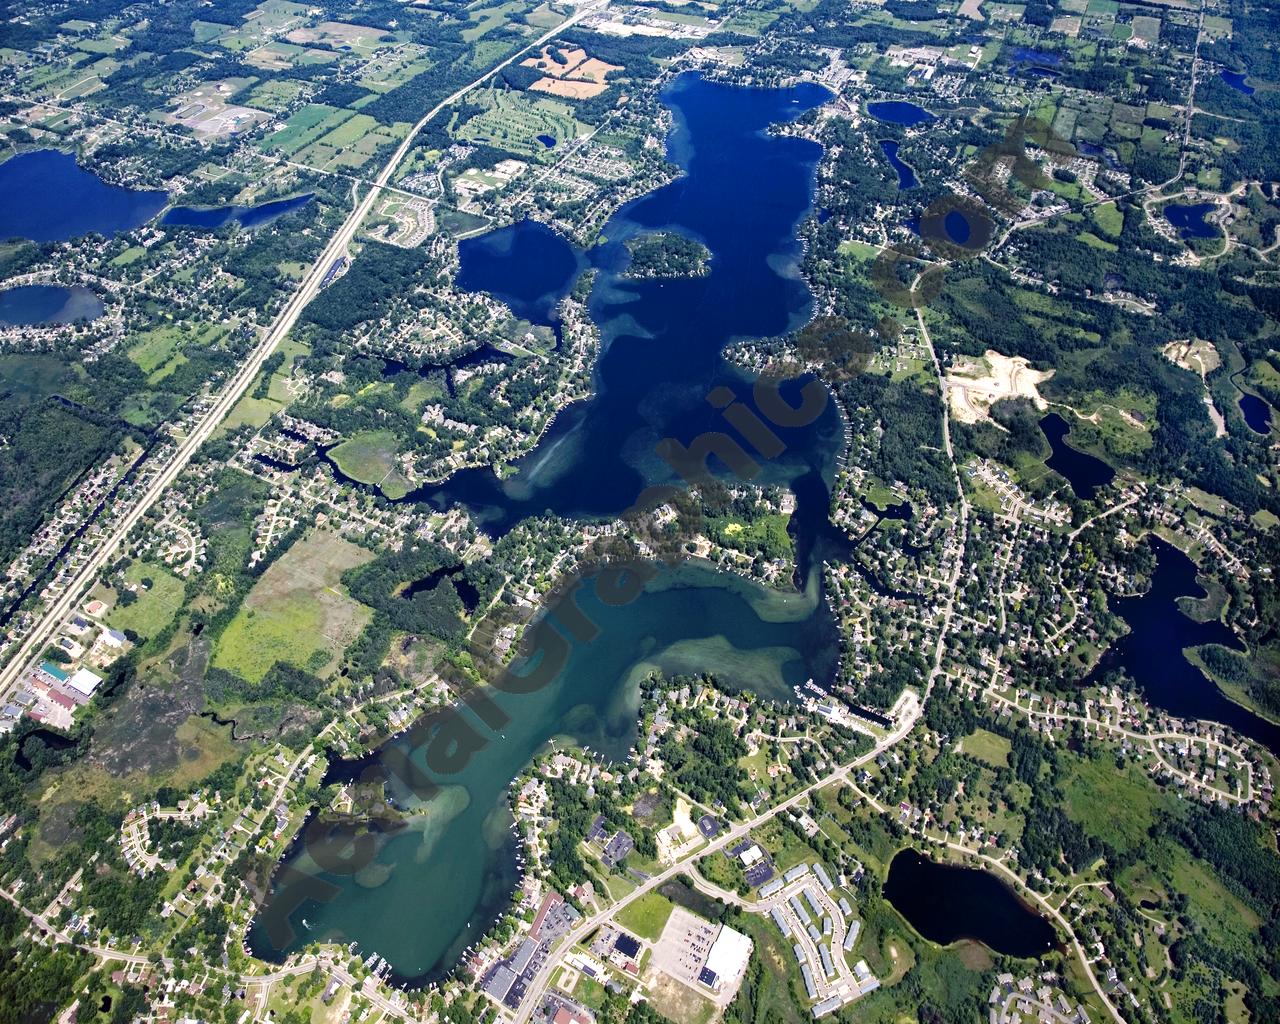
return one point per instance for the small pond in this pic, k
(899, 112)
(946, 903)
(30, 305)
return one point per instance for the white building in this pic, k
(727, 958)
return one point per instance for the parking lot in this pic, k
(683, 948)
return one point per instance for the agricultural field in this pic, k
(486, 19)
(297, 612)
(274, 95)
(340, 36)
(351, 144)
(392, 67)
(305, 127)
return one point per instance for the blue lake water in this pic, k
(548, 140)
(1256, 412)
(899, 112)
(527, 265)
(47, 197)
(1189, 219)
(906, 173)
(246, 216)
(946, 903)
(662, 357)
(956, 225)
(1027, 55)
(663, 339)
(31, 304)
(1238, 81)
(1151, 652)
(1084, 472)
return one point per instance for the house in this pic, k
(113, 638)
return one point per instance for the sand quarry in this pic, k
(974, 386)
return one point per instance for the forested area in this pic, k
(35, 980)
(910, 447)
(666, 254)
(434, 608)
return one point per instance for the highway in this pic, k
(41, 633)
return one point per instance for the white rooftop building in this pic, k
(728, 956)
(84, 681)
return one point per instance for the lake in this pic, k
(1189, 219)
(1237, 80)
(1256, 412)
(527, 265)
(1151, 652)
(906, 173)
(1084, 472)
(663, 342)
(45, 304)
(899, 112)
(946, 903)
(247, 216)
(46, 196)
(396, 906)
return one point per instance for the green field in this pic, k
(154, 608)
(987, 746)
(647, 916)
(159, 351)
(297, 612)
(1108, 218)
(513, 122)
(306, 127)
(1116, 805)
(370, 458)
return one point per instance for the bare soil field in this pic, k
(973, 387)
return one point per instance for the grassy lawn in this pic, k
(647, 916)
(370, 458)
(154, 608)
(159, 351)
(987, 746)
(249, 411)
(1109, 219)
(296, 612)
(1115, 805)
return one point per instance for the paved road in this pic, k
(42, 632)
